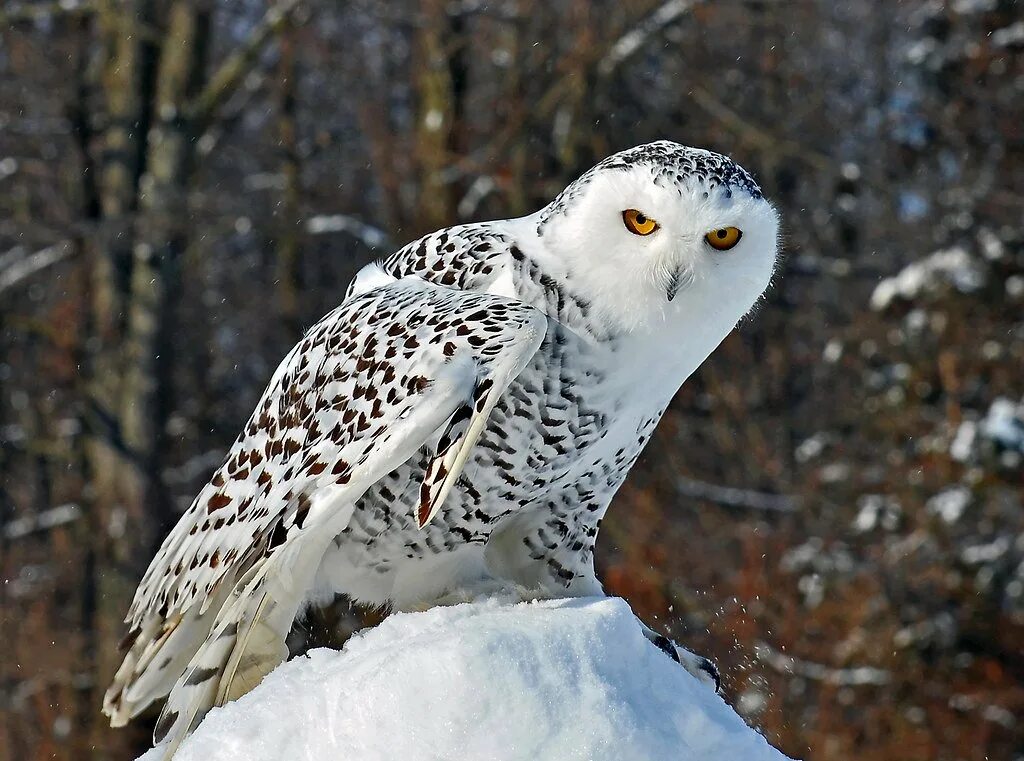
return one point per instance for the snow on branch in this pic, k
(323, 224)
(16, 265)
(35, 12)
(845, 677)
(632, 41)
(43, 521)
(952, 267)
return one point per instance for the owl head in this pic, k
(662, 236)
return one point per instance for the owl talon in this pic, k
(708, 667)
(696, 665)
(666, 646)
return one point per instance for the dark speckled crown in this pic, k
(670, 164)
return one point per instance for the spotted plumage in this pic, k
(464, 417)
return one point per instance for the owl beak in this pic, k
(674, 283)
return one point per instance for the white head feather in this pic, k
(644, 281)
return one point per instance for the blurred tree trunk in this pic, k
(124, 81)
(288, 238)
(571, 119)
(149, 82)
(515, 185)
(125, 84)
(87, 529)
(435, 116)
(146, 397)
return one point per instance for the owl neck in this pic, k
(542, 280)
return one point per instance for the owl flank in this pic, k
(463, 419)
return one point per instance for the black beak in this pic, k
(675, 283)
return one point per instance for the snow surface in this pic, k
(561, 679)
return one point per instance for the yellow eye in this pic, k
(637, 223)
(724, 238)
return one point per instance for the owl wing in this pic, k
(367, 387)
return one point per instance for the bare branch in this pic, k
(16, 435)
(756, 135)
(216, 132)
(43, 521)
(482, 186)
(233, 71)
(731, 497)
(32, 12)
(630, 43)
(19, 267)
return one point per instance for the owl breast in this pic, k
(559, 442)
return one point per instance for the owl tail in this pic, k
(161, 649)
(155, 654)
(246, 642)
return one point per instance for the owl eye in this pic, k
(724, 238)
(638, 223)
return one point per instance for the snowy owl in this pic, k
(463, 418)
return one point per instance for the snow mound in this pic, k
(562, 679)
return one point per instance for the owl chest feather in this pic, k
(560, 440)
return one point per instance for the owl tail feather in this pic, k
(246, 643)
(156, 653)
